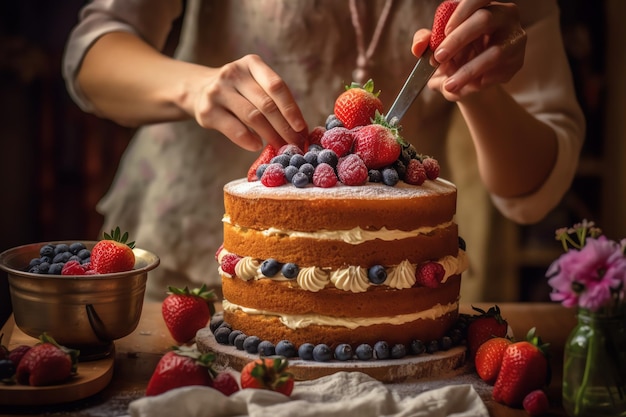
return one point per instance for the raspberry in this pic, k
(415, 173)
(274, 175)
(324, 176)
(315, 135)
(229, 261)
(72, 268)
(352, 170)
(339, 140)
(429, 274)
(289, 149)
(536, 403)
(431, 166)
(225, 383)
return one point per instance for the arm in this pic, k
(123, 76)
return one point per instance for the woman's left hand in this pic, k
(484, 45)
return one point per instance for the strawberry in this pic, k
(377, 144)
(483, 327)
(536, 403)
(268, 373)
(46, 363)
(442, 15)
(524, 369)
(185, 312)
(429, 274)
(112, 254)
(180, 367)
(264, 158)
(488, 359)
(357, 106)
(225, 383)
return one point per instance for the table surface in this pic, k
(138, 354)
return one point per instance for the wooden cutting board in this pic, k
(91, 378)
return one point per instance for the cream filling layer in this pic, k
(299, 321)
(353, 236)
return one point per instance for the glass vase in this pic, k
(594, 367)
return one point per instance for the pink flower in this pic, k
(589, 277)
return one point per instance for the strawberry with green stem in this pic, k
(180, 367)
(357, 106)
(47, 363)
(268, 373)
(186, 311)
(113, 253)
(483, 327)
(378, 144)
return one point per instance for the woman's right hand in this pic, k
(249, 103)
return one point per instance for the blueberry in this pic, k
(329, 157)
(270, 267)
(266, 348)
(282, 159)
(305, 351)
(417, 347)
(398, 351)
(432, 346)
(7, 368)
(374, 175)
(62, 257)
(238, 342)
(322, 353)
(222, 334)
(364, 352)
(216, 321)
(332, 121)
(84, 253)
(286, 348)
(315, 147)
(46, 258)
(233, 335)
(77, 247)
(308, 170)
(75, 258)
(34, 269)
(34, 262)
(290, 171)
(311, 157)
(445, 343)
(47, 250)
(300, 180)
(85, 261)
(251, 344)
(55, 268)
(43, 267)
(225, 324)
(381, 350)
(260, 170)
(462, 244)
(61, 247)
(377, 274)
(297, 160)
(343, 352)
(290, 270)
(390, 176)
(456, 335)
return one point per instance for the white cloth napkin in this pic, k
(342, 394)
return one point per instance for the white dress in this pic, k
(168, 190)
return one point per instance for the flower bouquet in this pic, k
(591, 277)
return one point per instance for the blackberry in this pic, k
(290, 270)
(364, 352)
(377, 274)
(417, 347)
(343, 352)
(251, 344)
(270, 267)
(381, 350)
(328, 156)
(300, 180)
(398, 351)
(222, 334)
(305, 351)
(238, 342)
(286, 348)
(400, 168)
(390, 176)
(322, 353)
(375, 175)
(266, 348)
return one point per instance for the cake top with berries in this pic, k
(356, 146)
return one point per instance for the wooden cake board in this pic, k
(389, 370)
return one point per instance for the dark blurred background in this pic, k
(56, 162)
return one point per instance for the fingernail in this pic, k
(441, 55)
(450, 85)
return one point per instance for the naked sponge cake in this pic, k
(350, 241)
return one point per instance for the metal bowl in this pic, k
(85, 312)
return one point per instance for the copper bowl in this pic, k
(85, 312)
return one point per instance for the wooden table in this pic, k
(138, 354)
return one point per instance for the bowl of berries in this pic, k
(84, 294)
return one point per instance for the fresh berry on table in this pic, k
(113, 253)
(484, 326)
(46, 363)
(268, 373)
(180, 367)
(186, 311)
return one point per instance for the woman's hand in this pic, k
(249, 103)
(484, 46)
